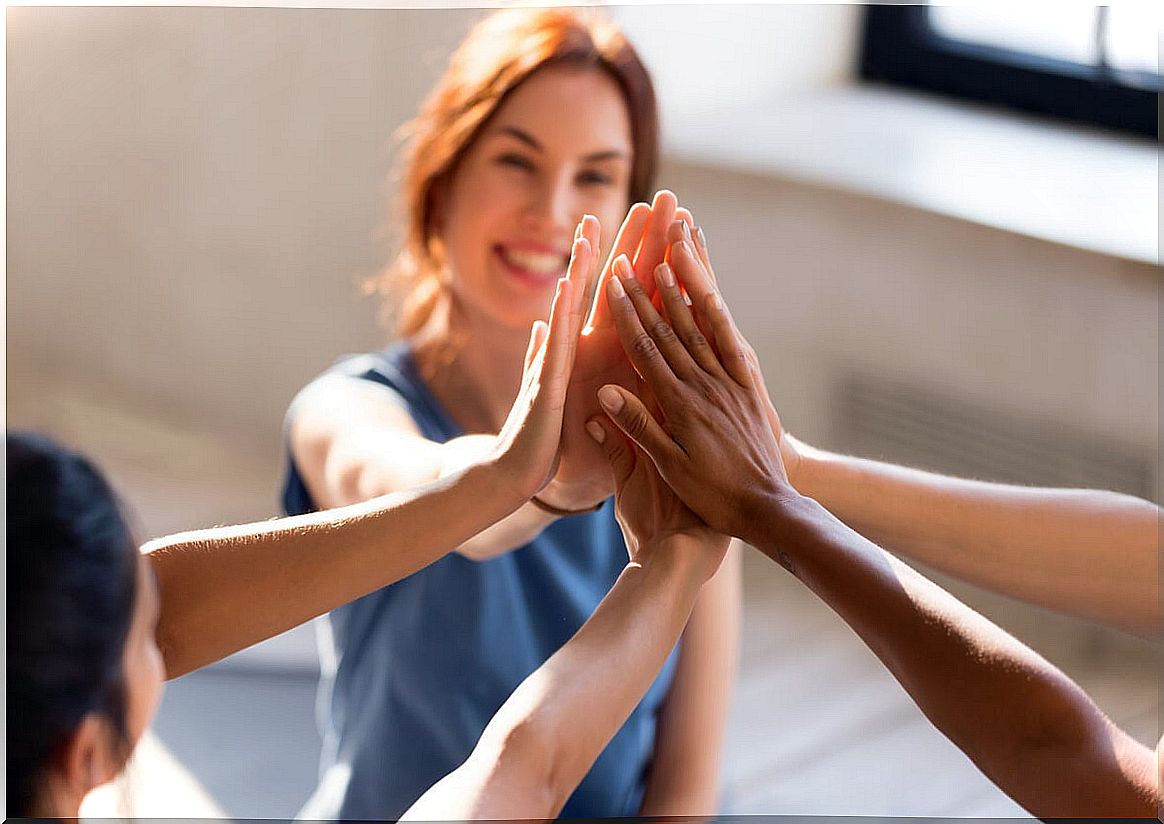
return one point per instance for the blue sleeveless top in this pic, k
(413, 672)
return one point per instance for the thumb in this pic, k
(631, 416)
(619, 451)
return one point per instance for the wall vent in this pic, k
(917, 426)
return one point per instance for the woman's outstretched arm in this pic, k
(1084, 552)
(544, 739)
(1027, 726)
(227, 588)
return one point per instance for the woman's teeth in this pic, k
(538, 263)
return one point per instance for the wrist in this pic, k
(501, 475)
(682, 555)
(574, 499)
(802, 463)
(764, 506)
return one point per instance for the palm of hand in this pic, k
(583, 469)
(583, 473)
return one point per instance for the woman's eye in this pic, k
(595, 178)
(515, 161)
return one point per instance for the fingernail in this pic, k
(702, 237)
(686, 229)
(665, 276)
(616, 287)
(596, 431)
(610, 399)
(622, 266)
(578, 228)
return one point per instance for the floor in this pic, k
(817, 726)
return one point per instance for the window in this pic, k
(1096, 65)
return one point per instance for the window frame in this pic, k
(900, 47)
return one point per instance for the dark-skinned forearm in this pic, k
(1023, 722)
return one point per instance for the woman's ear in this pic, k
(92, 757)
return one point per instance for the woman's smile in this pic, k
(534, 265)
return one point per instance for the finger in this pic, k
(654, 245)
(675, 234)
(692, 268)
(557, 358)
(630, 234)
(704, 255)
(619, 451)
(579, 274)
(732, 353)
(667, 342)
(649, 342)
(694, 342)
(694, 279)
(591, 230)
(630, 416)
(678, 231)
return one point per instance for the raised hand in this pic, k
(584, 478)
(648, 510)
(688, 256)
(719, 451)
(529, 444)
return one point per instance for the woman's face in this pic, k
(558, 148)
(143, 673)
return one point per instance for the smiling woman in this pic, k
(558, 148)
(542, 117)
(473, 101)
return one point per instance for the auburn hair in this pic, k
(498, 55)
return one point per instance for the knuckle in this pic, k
(643, 346)
(708, 391)
(636, 424)
(634, 288)
(662, 331)
(694, 340)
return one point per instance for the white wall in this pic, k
(195, 194)
(711, 56)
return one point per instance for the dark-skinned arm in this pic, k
(1027, 726)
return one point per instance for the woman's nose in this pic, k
(556, 206)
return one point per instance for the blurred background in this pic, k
(938, 227)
